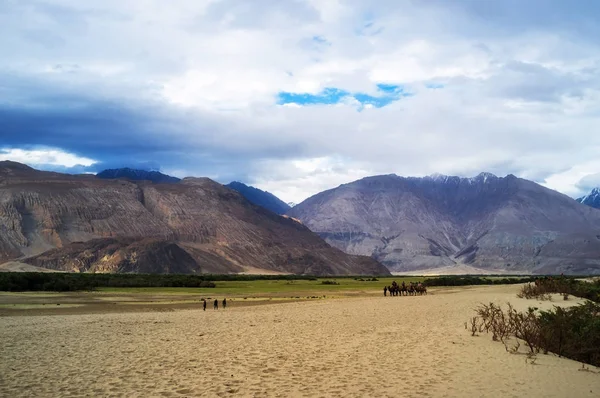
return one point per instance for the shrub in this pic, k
(562, 285)
(530, 291)
(329, 283)
(572, 332)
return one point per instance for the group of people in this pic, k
(412, 289)
(215, 304)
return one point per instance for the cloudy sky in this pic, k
(297, 96)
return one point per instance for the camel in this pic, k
(394, 289)
(403, 290)
(421, 289)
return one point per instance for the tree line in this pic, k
(468, 280)
(67, 282)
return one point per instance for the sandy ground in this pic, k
(459, 269)
(351, 347)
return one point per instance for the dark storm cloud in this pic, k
(131, 132)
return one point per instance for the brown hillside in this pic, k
(215, 226)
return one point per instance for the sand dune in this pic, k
(351, 347)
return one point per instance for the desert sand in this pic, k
(348, 347)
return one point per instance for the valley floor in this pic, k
(458, 269)
(347, 347)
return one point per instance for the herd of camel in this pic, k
(412, 289)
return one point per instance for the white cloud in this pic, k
(519, 96)
(589, 182)
(577, 180)
(44, 156)
(297, 179)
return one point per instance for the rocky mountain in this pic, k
(260, 198)
(491, 223)
(118, 255)
(137, 175)
(84, 223)
(592, 199)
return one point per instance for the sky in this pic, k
(299, 96)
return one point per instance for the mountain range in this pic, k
(85, 223)
(260, 198)
(252, 194)
(137, 175)
(490, 223)
(127, 220)
(592, 199)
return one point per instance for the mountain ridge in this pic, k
(592, 199)
(64, 221)
(137, 175)
(490, 222)
(260, 197)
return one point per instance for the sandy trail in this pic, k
(354, 347)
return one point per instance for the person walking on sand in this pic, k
(385, 291)
(204, 304)
(224, 303)
(216, 305)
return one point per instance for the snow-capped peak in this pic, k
(482, 177)
(438, 177)
(591, 199)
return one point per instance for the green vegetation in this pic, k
(475, 280)
(569, 332)
(226, 284)
(562, 285)
(285, 288)
(573, 333)
(217, 284)
(66, 282)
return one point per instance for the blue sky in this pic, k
(299, 96)
(385, 95)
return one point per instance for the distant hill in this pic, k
(592, 199)
(499, 224)
(137, 175)
(260, 198)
